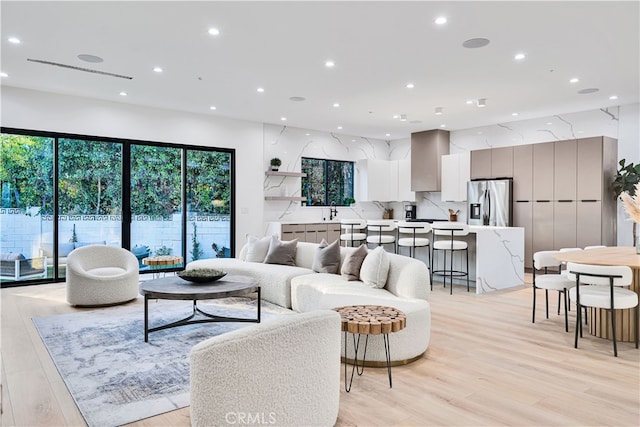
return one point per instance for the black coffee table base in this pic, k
(209, 318)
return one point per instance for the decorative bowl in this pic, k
(201, 275)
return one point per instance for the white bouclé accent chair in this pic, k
(283, 372)
(101, 275)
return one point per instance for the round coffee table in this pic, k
(369, 320)
(175, 288)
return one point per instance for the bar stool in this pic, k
(375, 228)
(353, 230)
(603, 286)
(412, 235)
(446, 242)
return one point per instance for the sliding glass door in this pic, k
(156, 204)
(60, 192)
(26, 210)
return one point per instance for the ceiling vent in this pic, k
(73, 67)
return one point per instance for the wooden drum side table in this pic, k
(368, 320)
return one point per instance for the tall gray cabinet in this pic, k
(561, 191)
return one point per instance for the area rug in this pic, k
(113, 375)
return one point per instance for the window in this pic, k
(327, 181)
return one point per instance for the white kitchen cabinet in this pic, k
(456, 172)
(404, 181)
(383, 181)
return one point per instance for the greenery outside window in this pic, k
(327, 181)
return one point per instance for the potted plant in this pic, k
(625, 183)
(275, 164)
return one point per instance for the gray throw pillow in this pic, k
(280, 252)
(352, 263)
(327, 258)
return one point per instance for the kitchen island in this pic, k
(496, 254)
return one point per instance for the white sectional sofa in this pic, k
(299, 287)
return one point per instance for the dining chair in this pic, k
(552, 279)
(603, 286)
(352, 231)
(444, 239)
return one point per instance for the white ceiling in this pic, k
(378, 47)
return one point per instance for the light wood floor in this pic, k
(487, 365)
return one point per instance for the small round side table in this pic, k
(368, 320)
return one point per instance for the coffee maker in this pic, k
(410, 211)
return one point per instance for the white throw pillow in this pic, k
(375, 268)
(257, 248)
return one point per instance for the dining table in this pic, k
(599, 320)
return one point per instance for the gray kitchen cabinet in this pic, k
(523, 217)
(427, 148)
(542, 230)
(333, 232)
(589, 169)
(523, 172)
(293, 231)
(564, 224)
(314, 233)
(481, 164)
(502, 162)
(565, 170)
(543, 171)
(589, 224)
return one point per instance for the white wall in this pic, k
(621, 123)
(34, 110)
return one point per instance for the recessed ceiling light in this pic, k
(549, 123)
(123, 93)
(214, 31)
(515, 114)
(387, 134)
(353, 140)
(157, 69)
(3, 74)
(470, 102)
(519, 56)
(443, 125)
(339, 127)
(260, 89)
(396, 116)
(438, 111)
(588, 90)
(440, 20)
(297, 98)
(410, 86)
(14, 40)
(329, 64)
(90, 58)
(307, 134)
(612, 97)
(284, 119)
(212, 107)
(336, 105)
(475, 43)
(482, 102)
(574, 80)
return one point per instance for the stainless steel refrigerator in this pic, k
(489, 202)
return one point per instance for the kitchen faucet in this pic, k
(333, 212)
